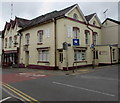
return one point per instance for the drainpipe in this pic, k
(93, 62)
(19, 34)
(111, 54)
(55, 38)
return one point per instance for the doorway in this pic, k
(26, 58)
(60, 59)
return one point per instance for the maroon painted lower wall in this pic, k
(42, 67)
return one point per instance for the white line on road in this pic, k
(84, 89)
(5, 99)
(95, 77)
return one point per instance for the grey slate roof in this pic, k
(89, 17)
(49, 16)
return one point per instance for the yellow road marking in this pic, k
(16, 91)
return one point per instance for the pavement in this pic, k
(85, 84)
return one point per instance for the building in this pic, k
(110, 31)
(57, 40)
(11, 41)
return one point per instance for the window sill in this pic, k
(80, 61)
(39, 43)
(42, 61)
(26, 45)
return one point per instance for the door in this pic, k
(95, 57)
(60, 59)
(26, 58)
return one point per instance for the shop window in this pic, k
(43, 55)
(79, 55)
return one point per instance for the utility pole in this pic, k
(11, 10)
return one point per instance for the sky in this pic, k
(29, 10)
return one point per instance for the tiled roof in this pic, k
(115, 21)
(89, 17)
(49, 16)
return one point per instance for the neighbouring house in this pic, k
(57, 40)
(11, 41)
(111, 36)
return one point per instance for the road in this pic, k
(100, 84)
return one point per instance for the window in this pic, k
(113, 54)
(76, 32)
(40, 36)
(10, 42)
(5, 42)
(15, 39)
(27, 37)
(75, 16)
(43, 55)
(79, 55)
(94, 22)
(87, 33)
(95, 38)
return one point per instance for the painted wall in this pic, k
(32, 48)
(110, 33)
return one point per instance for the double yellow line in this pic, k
(20, 93)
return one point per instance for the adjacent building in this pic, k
(57, 40)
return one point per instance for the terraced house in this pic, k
(60, 40)
(11, 41)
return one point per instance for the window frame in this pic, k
(40, 36)
(27, 38)
(87, 40)
(76, 32)
(75, 16)
(43, 55)
(95, 38)
(10, 42)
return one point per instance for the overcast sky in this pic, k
(30, 10)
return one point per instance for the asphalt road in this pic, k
(98, 85)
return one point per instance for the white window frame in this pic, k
(95, 38)
(87, 41)
(40, 36)
(27, 38)
(75, 16)
(79, 55)
(43, 55)
(6, 42)
(10, 42)
(76, 32)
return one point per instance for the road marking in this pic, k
(94, 77)
(72, 86)
(21, 94)
(5, 99)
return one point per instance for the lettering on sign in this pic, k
(103, 53)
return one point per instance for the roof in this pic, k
(49, 16)
(89, 17)
(115, 21)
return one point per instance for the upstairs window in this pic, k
(27, 38)
(5, 42)
(95, 38)
(94, 22)
(87, 33)
(10, 42)
(76, 32)
(40, 36)
(75, 16)
(113, 54)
